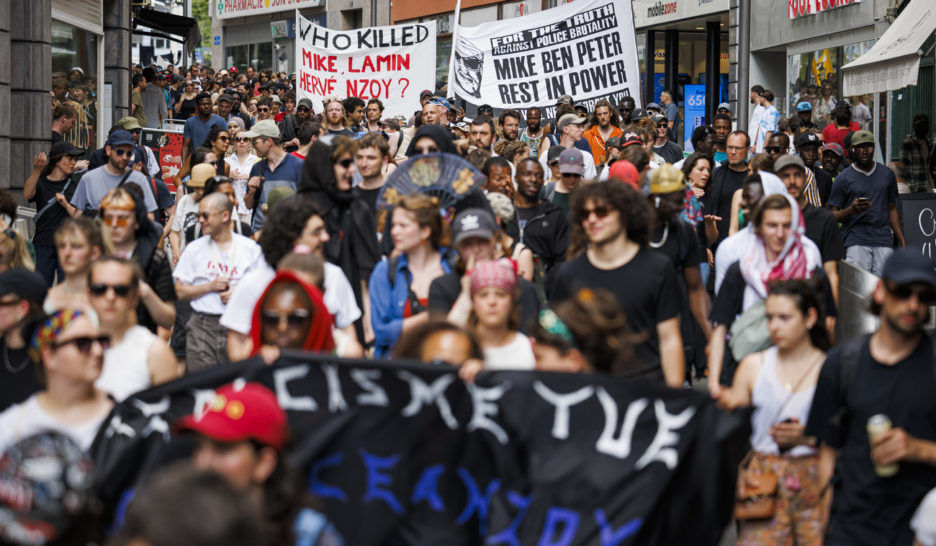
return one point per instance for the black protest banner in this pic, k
(516, 458)
(584, 49)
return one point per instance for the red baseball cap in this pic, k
(626, 172)
(250, 412)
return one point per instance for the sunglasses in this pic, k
(662, 125)
(120, 152)
(599, 212)
(302, 109)
(241, 139)
(926, 296)
(83, 343)
(120, 290)
(772, 149)
(346, 163)
(294, 319)
(472, 63)
(118, 221)
(224, 138)
(264, 109)
(206, 215)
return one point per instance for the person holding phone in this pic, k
(864, 200)
(780, 383)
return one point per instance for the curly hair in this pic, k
(635, 214)
(599, 330)
(283, 225)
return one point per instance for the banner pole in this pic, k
(451, 74)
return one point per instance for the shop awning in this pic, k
(167, 23)
(894, 61)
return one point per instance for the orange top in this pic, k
(597, 144)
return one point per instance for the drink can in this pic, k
(877, 425)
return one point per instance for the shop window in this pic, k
(816, 77)
(74, 80)
(443, 55)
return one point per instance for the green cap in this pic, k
(862, 137)
(129, 123)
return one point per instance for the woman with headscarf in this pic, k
(290, 315)
(776, 249)
(68, 349)
(431, 138)
(327, 178)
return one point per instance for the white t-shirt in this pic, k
(203, 262)
(126, 364)
(924, 520)
(516, 355)
(338, 297)
(754, 125)
(28, 418)
(240, 182)
(590, 172)
(186, 215)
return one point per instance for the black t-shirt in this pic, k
(823, 184)
(718, 200)
(822, 229)
(867, 509)
(53, 217)
(18, 379)
(370, 198)
(681, 246)
(56, 137)
(561, 200)
(158, 275)
(445, 290)
(646, 287)
(669, 151)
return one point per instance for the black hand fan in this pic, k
(447, 177)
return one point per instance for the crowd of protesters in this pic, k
(599, 245)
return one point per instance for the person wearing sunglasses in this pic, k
(21, 295)
(95, 183)
(67, 349)
(134, 236)
(207, 272)
(137, 358)
(888, 373)
(613, 221)
(290, 123)
(290, 315)
(665, 149)
(220, 141)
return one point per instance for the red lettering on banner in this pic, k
(315, 85)
(381, 63)
(368, 89)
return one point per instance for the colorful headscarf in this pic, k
(50, 328)
(500, 273)
(797, 260)
(550, 321)
(319, 337)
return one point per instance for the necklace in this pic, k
(663, 239)
(11, 368)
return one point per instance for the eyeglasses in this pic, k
(120, 152)
(120, 290)
(113, 220)
(224, 138)
(772, 149)
(83, 343)
(263, 109)
(294, 319)
(346, 163)
(599, 212)
(926, 296)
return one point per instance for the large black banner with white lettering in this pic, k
(404, 453)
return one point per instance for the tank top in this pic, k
(533, 143)
(125, 364)
(767, 397)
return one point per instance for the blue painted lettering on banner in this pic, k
(611, 536)
(509, 535)
(319, 488)
(476, 501)
(560, 520)
(375, 479)
(427, 487)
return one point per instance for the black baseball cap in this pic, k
(64, 148)
(24, 283)
(906, 266)
(552, 156)
(806, 139)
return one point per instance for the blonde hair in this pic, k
(118, 199)
(13, 251)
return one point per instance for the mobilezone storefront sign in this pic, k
(655, 12)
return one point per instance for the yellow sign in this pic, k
(822, 66)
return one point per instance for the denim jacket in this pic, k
(387, 303)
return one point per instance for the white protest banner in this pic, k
(392, 63)
(585, 49)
